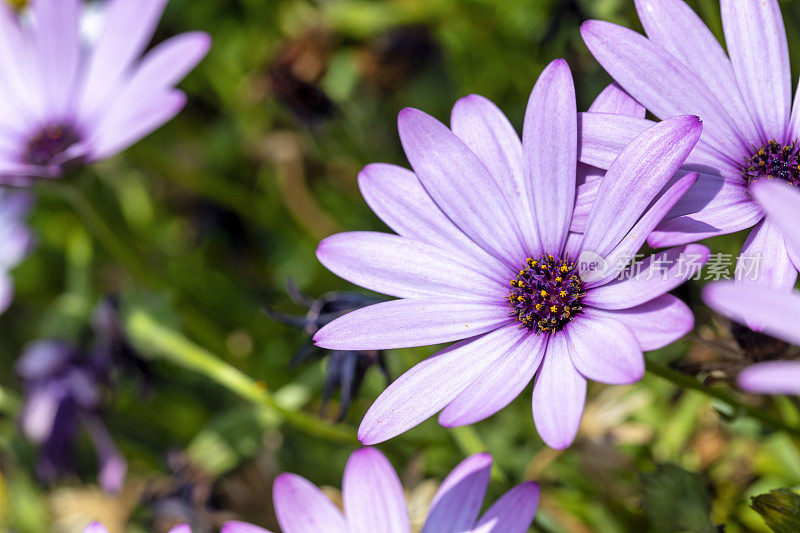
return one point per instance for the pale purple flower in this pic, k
(484, 257)
(772, 311)
(744, 99)
(374, 501)
(64, 100)
(63, 393)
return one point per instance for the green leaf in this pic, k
(780, 509)
(677, 500)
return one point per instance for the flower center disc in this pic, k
(773, 160)
(546, 294)
(50, 142)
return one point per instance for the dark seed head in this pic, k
(50, 142)
(773, 160)
(546, 294)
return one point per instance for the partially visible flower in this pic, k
(15, 239)
(775, 312)
(485, 257)
(63, 393)
(346, 368)
(65, 390)
(64, 101)
(374, 501)
(751, 129)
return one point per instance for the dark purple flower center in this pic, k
(773, 160)
(546, 294)
(50, 142)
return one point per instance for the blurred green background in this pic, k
(227, 202)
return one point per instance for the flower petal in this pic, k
(405, 268)
(673, 25)
(604, 136)
(663, 84)
(773, 311)
(129, 26)
(241, 527)
(764, 258)
(550, 148)
(159, 71)
(513, 512)
(634, 179)
(603, 349)
(648, 279)
(457, 503)
(181, 528)
(95, 527)
(771, 377)
(407, 323)
(302, 508)
(782, 204)
(459, 183)
(432, 384)
(618, 259)
(499, 385)
(489, 134)
(373, 496)
(58, 49)
(398, 198)
(113, 136)
(714, 219)
(756, 41)
(614, 99)
(559, 394)
(655, 324)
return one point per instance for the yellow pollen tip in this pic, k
(559, 279)
(563, 294)
(553, 308)
(564, 268)
(543, 293)
(539, 307)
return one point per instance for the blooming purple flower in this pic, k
(770, 310)
(64, 100)
(744, 99)
(484, 257)
(374, 501)
(63, 392)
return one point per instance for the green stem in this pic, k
(689, 382)
(110, 239)
(9, 402)
(147, 332)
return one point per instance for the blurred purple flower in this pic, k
(744, 99)
(64, 393)
(346, 368)
(772, 311)
(15, 239)
(374, 501)
(484, 257)
(64, 100)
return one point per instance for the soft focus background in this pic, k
(214, 213)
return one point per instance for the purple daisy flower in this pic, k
(744, 99)
(64, 392)
(64, 100)
(484, 257)
(772, 311)
(374, 501)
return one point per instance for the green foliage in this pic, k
(780, 509)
